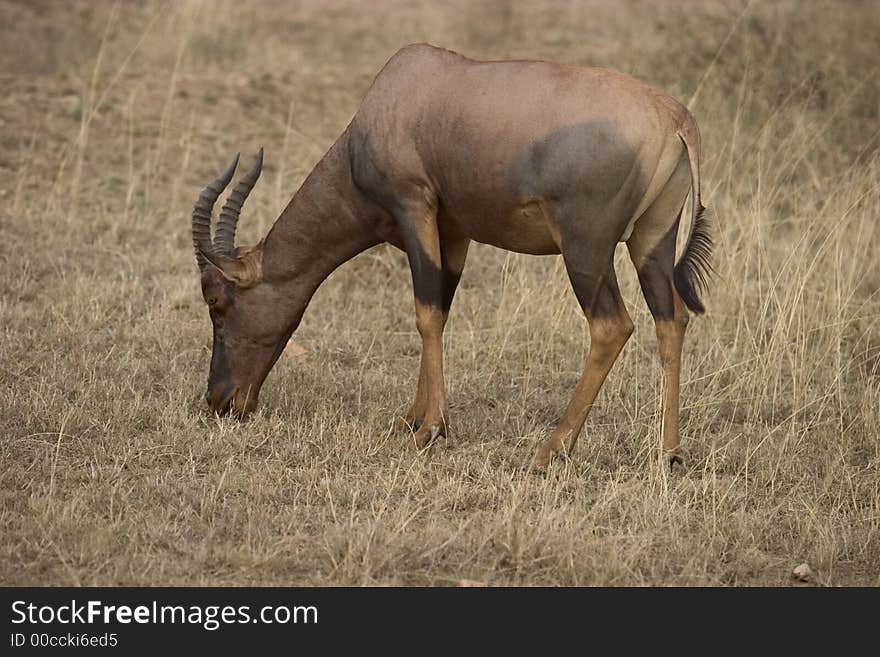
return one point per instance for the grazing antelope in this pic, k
(528, 156)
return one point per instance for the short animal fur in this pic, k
(529, 156)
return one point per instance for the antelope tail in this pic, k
(694, 268)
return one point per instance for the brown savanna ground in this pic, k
(113, 116)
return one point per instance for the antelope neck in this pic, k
(326, 223)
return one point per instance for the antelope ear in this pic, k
(244, 271)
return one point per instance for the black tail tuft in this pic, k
(694, 269)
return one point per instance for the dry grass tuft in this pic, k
(113, 116)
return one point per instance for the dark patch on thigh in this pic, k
(589, 158)
(590, 175)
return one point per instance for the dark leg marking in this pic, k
(655, 277)
(450, 284)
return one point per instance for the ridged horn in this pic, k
(201, 217)
(224, 237)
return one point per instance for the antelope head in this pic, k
(247, 312)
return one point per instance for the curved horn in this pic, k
(201, 217)
(224, 237)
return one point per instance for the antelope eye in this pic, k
(212, 301)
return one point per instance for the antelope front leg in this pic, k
(415, 414)
(453, 251)
(429, 321)
(422, 240)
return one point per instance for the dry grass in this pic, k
(112, 473)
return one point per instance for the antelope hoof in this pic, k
(552, 448)
(540, 462)
(408, 423)
(533, 466)
(426, 434)
(676, 459)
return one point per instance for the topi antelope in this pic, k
(528, 156)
